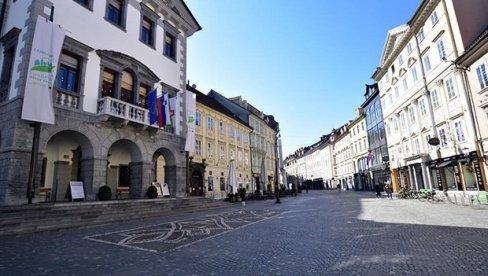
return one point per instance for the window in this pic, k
(409, 48)
(392, 70)
(411, 111)
(442, 137)
(198, 147)
(423, 109)
(169, 46)
(387, 77)
(67, 78)
(7, 66)
(458, 125)
(210, 183)
(231, 131)
(127, 87)
(450, 89)
(142, 101)
(441, 49)
(209, 123)
(414, 74)
(397, 92)
(390, 98)
(246, 138)
(416, 146)
(198, 118)
(435, 98)
(400, 60)
(239, 134)
(209, 150)
(427, 65)
(421, 34)
(434, 18)
(405, 84)
(427, 138)
(86, 3)
(115, 11)
(402, 120)
(222, 128)
(222, 152)
(108, 83)
(147, 31)
(482, 76)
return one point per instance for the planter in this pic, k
(152, 192)
(104, 196)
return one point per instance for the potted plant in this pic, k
(242, 195)
(152, 192)
(104, 193)
(236, 196)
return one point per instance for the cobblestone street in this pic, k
(316, 233)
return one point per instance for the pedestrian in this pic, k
(378, 190)
(306, 187)
(389, 192)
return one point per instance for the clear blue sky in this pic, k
(305, 62)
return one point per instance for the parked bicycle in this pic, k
(429, 195)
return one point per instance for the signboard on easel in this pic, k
(165, 189)
(77, 191)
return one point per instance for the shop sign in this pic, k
(479, 178)
(77, 191)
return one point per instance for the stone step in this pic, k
(28, 219)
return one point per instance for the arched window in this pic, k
(127, 87)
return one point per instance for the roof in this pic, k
(215, 105)
(478, 48)
(192, 16)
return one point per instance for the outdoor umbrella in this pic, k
(232, 181)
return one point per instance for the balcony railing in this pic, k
(120, 109)
(67, 99)
(126, 111)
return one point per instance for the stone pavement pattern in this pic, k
(319, 233)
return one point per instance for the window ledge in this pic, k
(115, 25)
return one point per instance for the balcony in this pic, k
(122, 110)
(67, 99)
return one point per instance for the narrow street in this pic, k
(316, 233)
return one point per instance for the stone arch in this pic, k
(163, 168)
(67, 156)
(125, 168)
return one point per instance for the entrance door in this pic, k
(196, 184)
(124, 175)
(258, 185)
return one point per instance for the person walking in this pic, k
(389, 192)
(378, 190)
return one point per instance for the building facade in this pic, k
(101, 134)
(220, 138)
(359, 149)
(377, 170)
(431, 135)
(342, 155)
(476, 59)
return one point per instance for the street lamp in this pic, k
(276, 169)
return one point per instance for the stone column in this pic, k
(93, 175)
(62, 176)
(140, 179)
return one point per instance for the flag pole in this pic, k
(35, 149)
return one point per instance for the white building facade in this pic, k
(114, 53)
(423, 97)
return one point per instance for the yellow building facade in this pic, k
(219, 138)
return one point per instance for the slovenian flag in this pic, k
(153, 106)
(165, 110)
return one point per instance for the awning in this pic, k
(445, 164)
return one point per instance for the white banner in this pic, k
(46, 48)
(191, 107)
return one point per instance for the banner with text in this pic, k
(191, 107)
(46, 48)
